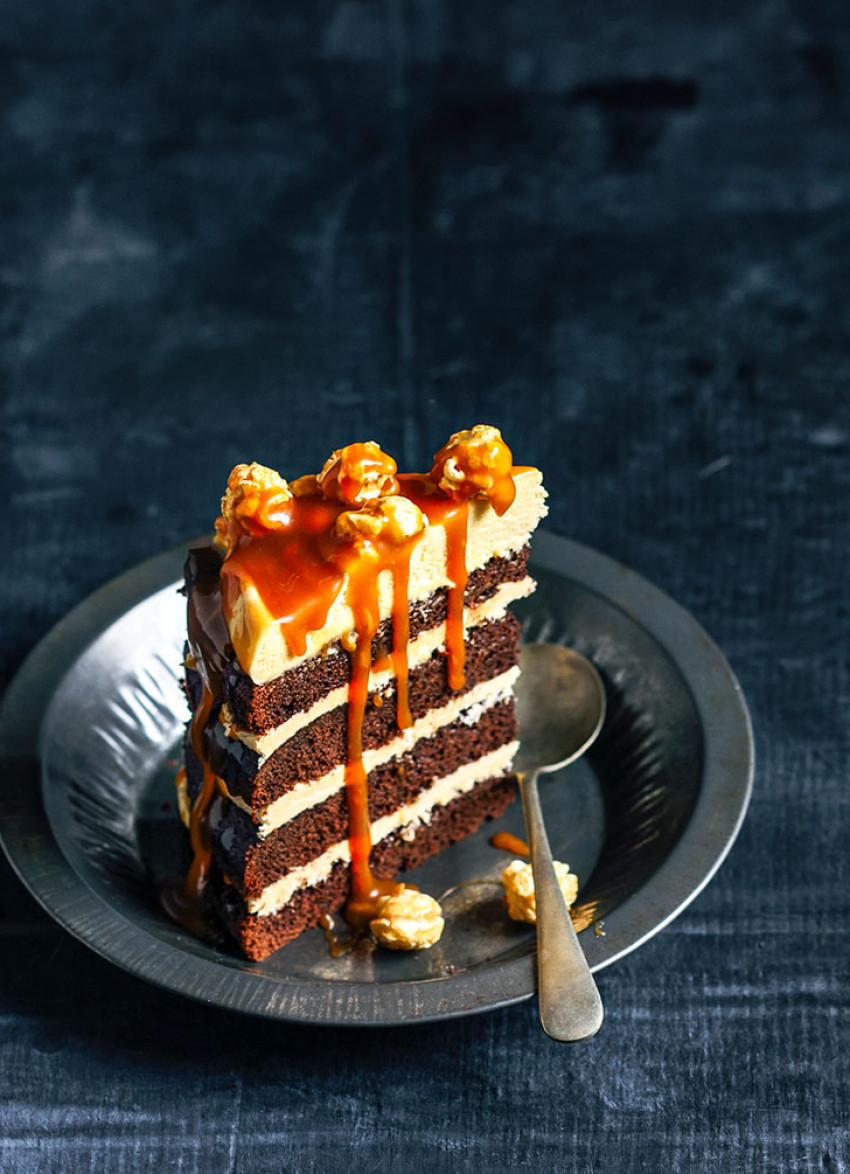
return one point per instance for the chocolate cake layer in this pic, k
(260, 936)
(253, 863)
(259, 708)
(491, 650)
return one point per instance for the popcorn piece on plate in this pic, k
(518, 882)
(408, 921)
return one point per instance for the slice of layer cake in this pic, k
(350, 668)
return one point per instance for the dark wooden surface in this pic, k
(620, 232)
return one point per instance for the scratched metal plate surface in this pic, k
(96, 714)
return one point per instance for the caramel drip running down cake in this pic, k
(350, 668)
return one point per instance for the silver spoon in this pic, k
(561, 708)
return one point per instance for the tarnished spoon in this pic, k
(561, 708)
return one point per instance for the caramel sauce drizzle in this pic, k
(456, 524)
(199, 829)
(293, 570)
(299, 570)
(401, 639)
(453, 516)
(337, 946)
(186, 902)
(363, 573)
(508, 842)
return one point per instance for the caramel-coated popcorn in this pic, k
(393, 519)
(518, 882)
(476, 463)
(408, 921)
(307, 486)
(358, 473)
(257, 500)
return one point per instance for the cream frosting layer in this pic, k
(260, 645)
(418, 651)
(306, 795)
(405, 819)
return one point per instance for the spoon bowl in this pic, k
(561, 709)
(561, 704)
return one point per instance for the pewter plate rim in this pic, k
(34, 853)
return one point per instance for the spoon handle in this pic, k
(570, 1006)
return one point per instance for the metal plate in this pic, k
(89, 734)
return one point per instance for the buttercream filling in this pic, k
(419, 651)
(467, 708)
(405, 820)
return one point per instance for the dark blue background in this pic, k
(260, 230)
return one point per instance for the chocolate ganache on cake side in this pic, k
(350, 668)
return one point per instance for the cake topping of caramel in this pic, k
(358, 473)
(476, 463)
(256, 501)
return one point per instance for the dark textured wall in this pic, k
(257, 231)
